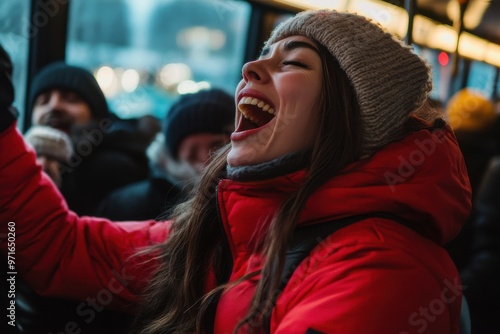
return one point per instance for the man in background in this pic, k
(195, 126)
(107, 153)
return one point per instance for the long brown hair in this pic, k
(175, 300)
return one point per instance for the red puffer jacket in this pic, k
(376, 276)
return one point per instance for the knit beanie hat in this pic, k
(6, 88)
(470, 111)
(75, 79)
(207, 111)
(50, 142)
(390, 80)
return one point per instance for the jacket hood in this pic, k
(422, 179)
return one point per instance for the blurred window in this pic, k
(439, 71)
(15, 32)
(145, 53)
(441, 68)
(481, 77)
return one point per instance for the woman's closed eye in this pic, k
(295, 63)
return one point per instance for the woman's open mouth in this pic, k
(256, 113)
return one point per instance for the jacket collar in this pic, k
(421, 178)
(284, 165)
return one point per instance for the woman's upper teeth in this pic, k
(259, 103)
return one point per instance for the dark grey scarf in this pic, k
(283, 165)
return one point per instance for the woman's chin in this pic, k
(238, 157)
(234, 159)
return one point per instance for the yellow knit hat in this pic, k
(470, 111)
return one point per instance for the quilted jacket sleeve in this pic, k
(57, 252)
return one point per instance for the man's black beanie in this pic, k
(71, 78)
(207, 111)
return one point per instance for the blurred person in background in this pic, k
(194, 128)
(481, 273)
(108, 152)
(474, 121)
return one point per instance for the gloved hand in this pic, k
(53, 147)
(50, 142)
(8, 113)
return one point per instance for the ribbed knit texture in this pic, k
(389, 79)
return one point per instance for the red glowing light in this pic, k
(443, 58)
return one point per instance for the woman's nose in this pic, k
(254, 71)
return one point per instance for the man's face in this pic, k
(196, 149)
(60, 109)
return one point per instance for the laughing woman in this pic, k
(326, 131)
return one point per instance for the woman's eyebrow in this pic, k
(289, 46)
(292, 45)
